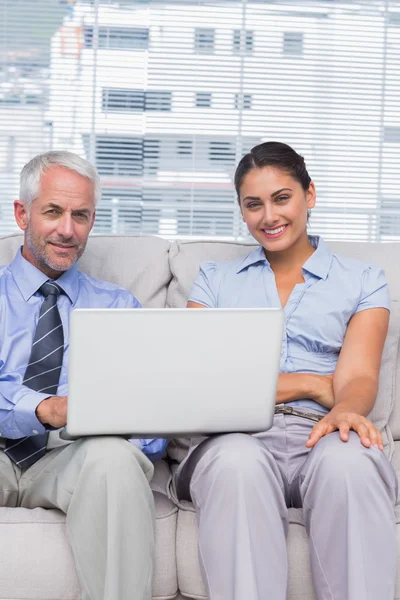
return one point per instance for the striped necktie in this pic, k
(42, 373)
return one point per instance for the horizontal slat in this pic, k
(166, 96)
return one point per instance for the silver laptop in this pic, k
(167, 372)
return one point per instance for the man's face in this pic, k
(59, 221)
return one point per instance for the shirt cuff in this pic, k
(201, 301)
(26, 421)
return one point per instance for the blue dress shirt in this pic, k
(19, 312)
(317, 312)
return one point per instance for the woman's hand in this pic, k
(322, 390)
(342, 420)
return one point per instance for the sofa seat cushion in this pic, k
(37, 562)
(299, 585)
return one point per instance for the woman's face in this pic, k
(274, 207)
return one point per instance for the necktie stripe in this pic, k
(49, 387)
(45, 324)
(48, 310)
(38, 374)
(18, 443)
(54, 285)
(46, 334)
(42, 372)
(47, 355)
(32, 454)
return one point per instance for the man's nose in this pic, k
(65, 226)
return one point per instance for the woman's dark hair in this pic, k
(273, 154)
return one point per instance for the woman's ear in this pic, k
(241, 210)
(311, 195)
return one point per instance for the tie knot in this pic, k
(50, 288)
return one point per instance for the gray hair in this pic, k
(30, 175)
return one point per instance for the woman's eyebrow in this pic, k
(251, 198)
(272, 195)
(279, 191)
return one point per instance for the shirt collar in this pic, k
(29, 279)
(318, 264)
(251, 259)
(320, 261)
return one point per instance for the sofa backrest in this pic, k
(139, 263)
(160, 274)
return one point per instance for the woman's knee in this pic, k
(234, 456)
(350, 461)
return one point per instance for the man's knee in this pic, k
(8, 482)
(113, 456)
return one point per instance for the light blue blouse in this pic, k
(317, 312)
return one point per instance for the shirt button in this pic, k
(34, 432)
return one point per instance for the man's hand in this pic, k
(343, 420)
(53, 411)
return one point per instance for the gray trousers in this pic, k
(242, 486)
(102, 485)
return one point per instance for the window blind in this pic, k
(164, 97)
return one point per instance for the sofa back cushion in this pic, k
(137, 263)
(185, 258)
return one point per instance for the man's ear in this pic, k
(93, 220)
(21, 214)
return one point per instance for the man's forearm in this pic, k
(357, 396)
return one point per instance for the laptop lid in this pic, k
(167, 372)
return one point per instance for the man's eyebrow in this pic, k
(82, 210)
(53, 205)
(58, 207)
(279, 191)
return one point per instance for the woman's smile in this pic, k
(275, 232)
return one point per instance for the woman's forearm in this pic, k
(295, 386)
(357, 396)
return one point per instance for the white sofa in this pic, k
(36, 561)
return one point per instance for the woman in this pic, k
(322, 453)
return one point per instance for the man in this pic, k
(101, 484)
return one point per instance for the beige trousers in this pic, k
(102, 485)
(242, 486)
